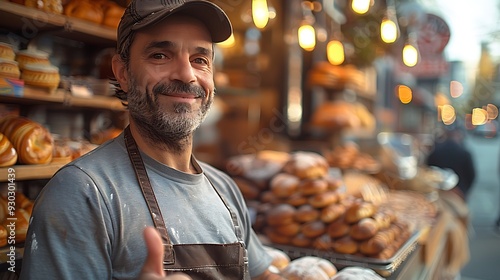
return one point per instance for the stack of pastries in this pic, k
(304, 206)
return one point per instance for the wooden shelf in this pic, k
(33, 95)
(28, 172)
(30, 23)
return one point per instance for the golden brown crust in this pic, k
(300, 240)
(338, 228)
(306, 165)
(281, 214)
(345, 245)
(313, 229)
(306, 213)
(291, 229)
(358, 211)
(310, 187)
(364, 229)
(284, 185)
(332, 213)
(324, 199)
(8, 155)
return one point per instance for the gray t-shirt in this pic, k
(88, 220)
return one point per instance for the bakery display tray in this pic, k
(384, 267)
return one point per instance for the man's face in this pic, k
(170, 78)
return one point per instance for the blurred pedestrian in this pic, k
(450, 152)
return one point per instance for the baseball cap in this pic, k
(143, 13)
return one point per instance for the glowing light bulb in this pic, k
(307, 37)
(335, 52)
(360, 6)
(410, 55)
(260, 13)
(388, 31)
(405, 94)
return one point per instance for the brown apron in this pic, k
(200, 261)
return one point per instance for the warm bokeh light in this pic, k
(440, 99)
(410, 55)
(360, 6)
(388, 31)
(404, 93)
(260, 13)
(335, 52)
(479, 116)
(448, 114)
(307, 37)
(456, 89)
(230, 42)
(492, 111)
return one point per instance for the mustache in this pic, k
(177, 87)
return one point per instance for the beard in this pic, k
(170, 129)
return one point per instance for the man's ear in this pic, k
(120, 71)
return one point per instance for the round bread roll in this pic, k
(324, 199)
(364, 229)
(357, 273)
(34, 143)
(9, 69)
(306, 213)
(297, 200)
(284, 185)
(7, 51)
(323, 242)
(8, 155)
(313, 229)
(358, 211)
(280, 259)
(112, 13)
(332, 212)
(309, 268)
(345, 245)
(84, 9)
(281, 214)
(310, 187)
(290, 229)
(306, 165)
(338, 228)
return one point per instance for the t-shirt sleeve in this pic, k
(69, 232)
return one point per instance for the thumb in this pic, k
(154, 260)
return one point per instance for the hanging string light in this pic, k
(260, 13)
(410, 51)
(335, 48)
(361, 6)
(306, 32)
(389, 28)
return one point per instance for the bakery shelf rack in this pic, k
(30, 22)
(33, 95)
(29, 172)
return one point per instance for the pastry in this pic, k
(24, 57)
(41, 75)
(338, 228)
(284, 185)
(84, 9)
(281, 214)
(306, 165)
(300, 240)
(358, 211)
(9, 69)
(332, 212)
(112, 14)
(33, 142)
(345, 245)
(313, 229)
(306, 213)
(357, 273)
(290, 229)
(308, 187)
(280, 259)
(364, 229)
(7, 51)
(8, 155)
(309, 268)
(324, 199)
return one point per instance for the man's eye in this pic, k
(200, 60)
(158, 56)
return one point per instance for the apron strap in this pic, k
(149, 196)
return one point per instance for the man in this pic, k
(89, 219)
